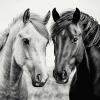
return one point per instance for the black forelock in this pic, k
(61, 24)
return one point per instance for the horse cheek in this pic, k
(19, 55)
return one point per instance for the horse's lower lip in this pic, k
(62, 81)
(37, 84)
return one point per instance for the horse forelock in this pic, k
(38, 24)
(64, 20)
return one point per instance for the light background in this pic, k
(10, 8)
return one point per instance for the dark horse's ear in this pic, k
(47, 17)
(55, 15)
(76, 16)
(26, 16)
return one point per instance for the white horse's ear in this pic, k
(26, 16)
(55, 15)
(76, 16)
(47, 17)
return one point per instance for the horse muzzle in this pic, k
(39, 82)
(61, 78)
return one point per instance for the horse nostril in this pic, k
(64, 74)
(39, 77)
(56, 75)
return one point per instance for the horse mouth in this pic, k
(62, 81)
(38, 84)
(41, 83)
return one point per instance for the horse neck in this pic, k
(94, 63)
(14, 79)
(5, 57)
(5, 63)
(18, 87)
(15, 69)
(89, 68)
(83, 68)
(5, 67)
(91, 40)
(15, 76)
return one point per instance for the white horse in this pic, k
(23, 44)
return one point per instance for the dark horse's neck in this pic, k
(83, 71)
(94, 63)
(89, 68)
(80, 86)
(88, 72)
(90, 65)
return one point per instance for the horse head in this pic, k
(68, 44)
(30, 47)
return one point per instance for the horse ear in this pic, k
(26, 16)
(76, 16)
(47, 17)
(55, 15)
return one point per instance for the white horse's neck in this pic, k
(5, 65)
(16, 81)
(6, 76)
(5, 57)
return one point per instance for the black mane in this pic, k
(89, 25)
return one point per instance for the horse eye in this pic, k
(26, 41)
(74, 40)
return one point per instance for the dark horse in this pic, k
(76, 38)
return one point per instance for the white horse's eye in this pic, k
(26, 41)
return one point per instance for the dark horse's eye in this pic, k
(26, 41)
(74, 40)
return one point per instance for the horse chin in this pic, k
(62, 81)
(61, 77)
(38, 84)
